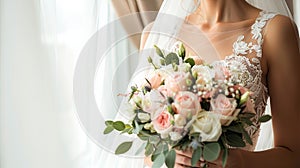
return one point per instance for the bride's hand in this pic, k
(183, 160)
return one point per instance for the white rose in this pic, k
(204, 74)
(208, 125)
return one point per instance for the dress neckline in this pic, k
(227, 26)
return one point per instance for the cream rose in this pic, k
(186, 104)
(204, 74)
(177, 81)
(208, 125)
(226, 107)
(163, 123)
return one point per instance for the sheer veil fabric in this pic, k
(172, 24)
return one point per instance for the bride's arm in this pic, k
(281, 50)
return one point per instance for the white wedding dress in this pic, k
(239, 47)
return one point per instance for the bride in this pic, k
(264, 46)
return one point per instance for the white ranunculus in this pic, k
(208, 125)
(152, 102)
(143, 117)
(180, 120)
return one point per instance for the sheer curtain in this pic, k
(40, 41)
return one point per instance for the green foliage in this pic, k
(123, 147)
(158, 51)
(265, 118)
(119, 125)
(190, 61)
(159, 161)
(211, 151)
(234, 139)
(196, 156)
(170, 159)
(172, 58)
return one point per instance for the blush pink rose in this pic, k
(163, 123)
(165, 91)
(177, 81)
(155, 78)
(226, 107)
(186, 103)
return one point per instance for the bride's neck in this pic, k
(216, 11)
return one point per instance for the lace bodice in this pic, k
(246, 58)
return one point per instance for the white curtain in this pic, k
(40, 41)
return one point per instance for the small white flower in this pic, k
(144, 117)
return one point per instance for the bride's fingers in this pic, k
(187, 153)
(186, 161)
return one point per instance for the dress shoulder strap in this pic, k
(260, 23)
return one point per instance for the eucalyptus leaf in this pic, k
(108, 130)
(154, 140)
(123, 147)
(196, 156)
(172, 58)
(159, 149)
(108, 123)
(224, 158)
(119, 125)
(141, 149)
(170, 159)
(149, 149)
(265, 118)
(159, 161)
(211, 151)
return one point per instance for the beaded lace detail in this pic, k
(250, 68)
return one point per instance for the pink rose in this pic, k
(165, 91)
(226, 107)
(155, 79)
(162, 124)
(177, 81)
(186, 103)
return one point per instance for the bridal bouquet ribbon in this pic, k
(185, 104)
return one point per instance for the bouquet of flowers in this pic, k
(183, 105)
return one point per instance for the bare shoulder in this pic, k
(281, 27)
